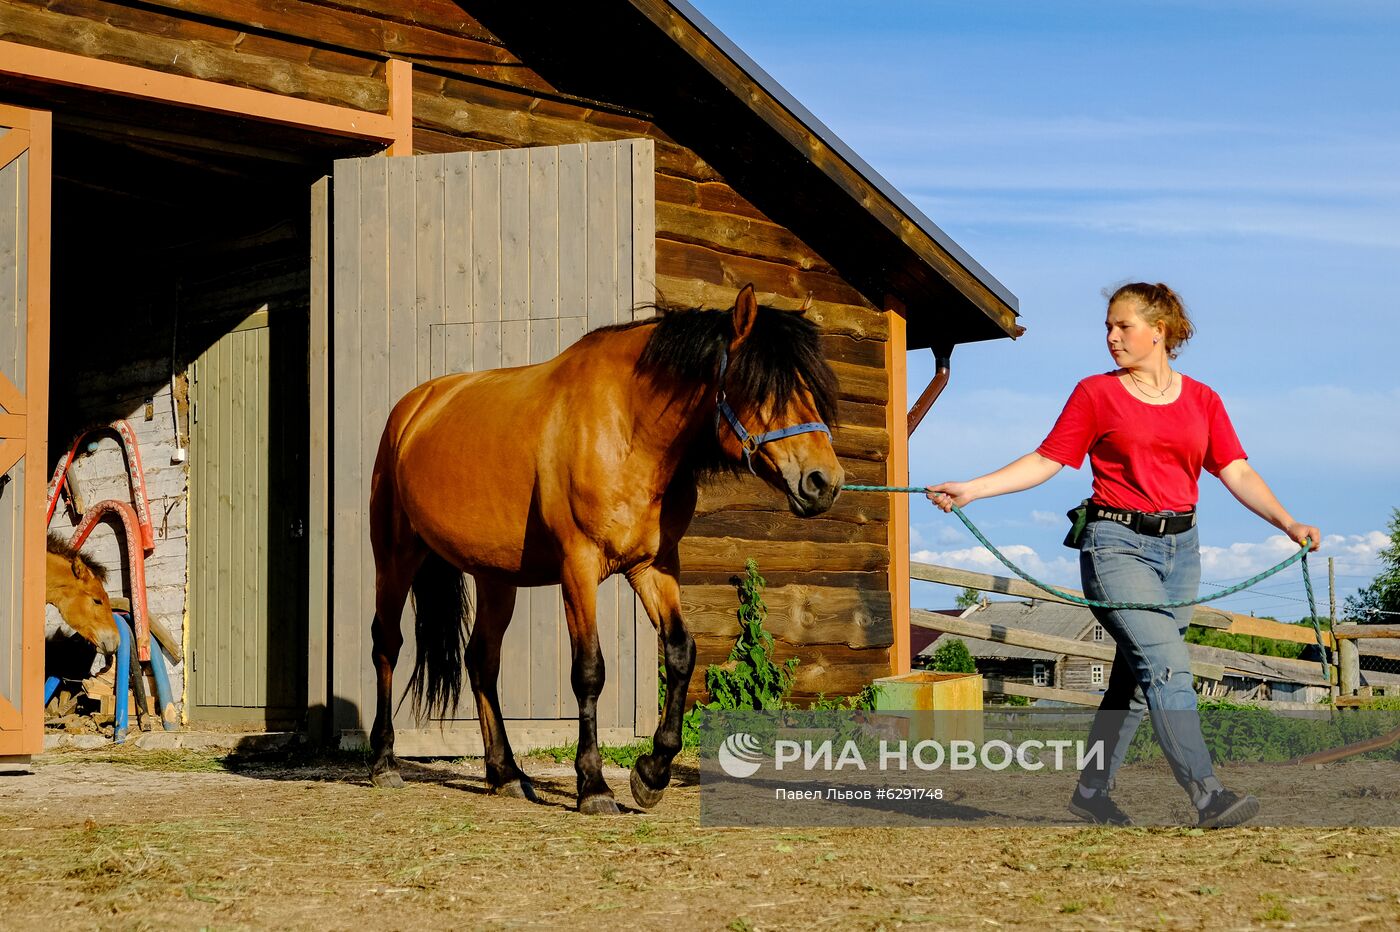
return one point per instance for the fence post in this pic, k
(1350, 666)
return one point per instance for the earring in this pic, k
(1154, 341)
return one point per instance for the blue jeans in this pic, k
(1151, 669)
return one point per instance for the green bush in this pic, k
(952, 656)
(749, 680)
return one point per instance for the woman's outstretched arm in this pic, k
(1254, 493)
(1025, 473)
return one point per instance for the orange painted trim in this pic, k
(11, 451)
(12, 719)
(11, 398)
(145, 84)
(22, 718)
(12, 145)
(14, 117)
(399, 76)
(897, 473)
(36, 391)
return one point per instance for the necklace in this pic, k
(1142, 387)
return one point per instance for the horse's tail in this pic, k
(442, 624)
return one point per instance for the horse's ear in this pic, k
(745, 313)
(77, 568)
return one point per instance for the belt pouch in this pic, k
(1078, 520)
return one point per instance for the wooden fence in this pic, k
(1212, 663)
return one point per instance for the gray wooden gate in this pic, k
(25, 147)
(466, 262)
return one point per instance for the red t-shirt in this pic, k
(1144, 457)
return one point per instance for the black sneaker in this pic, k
(1099, 809)
(1226, 809)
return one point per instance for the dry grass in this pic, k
(161, 840)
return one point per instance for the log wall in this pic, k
(828, 576)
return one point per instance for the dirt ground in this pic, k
(157, 839)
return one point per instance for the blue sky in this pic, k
(1246, 153)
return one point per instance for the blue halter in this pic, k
(749, 443)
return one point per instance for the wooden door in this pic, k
(247, 623)
(25, 175)
(465, 262)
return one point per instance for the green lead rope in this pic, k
(1301, 555)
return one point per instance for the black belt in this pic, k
(1151, 523)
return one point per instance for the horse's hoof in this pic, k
(517, 789)
(387, 780)
(643, 795)
(598, 805)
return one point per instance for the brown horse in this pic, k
(570, 471)
(73, 585)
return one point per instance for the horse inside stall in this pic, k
(567, 472)
(73, 584)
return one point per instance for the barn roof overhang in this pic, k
(663, 57)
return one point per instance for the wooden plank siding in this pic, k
(473, 94)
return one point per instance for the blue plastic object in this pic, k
(164, 702)
(122, 682)
(50, 687)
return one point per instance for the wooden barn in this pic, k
(247, 228)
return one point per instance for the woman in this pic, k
(1148, 430)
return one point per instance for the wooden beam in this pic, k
(1005, 585)
(399, 76)
(1275, 630)
(1204, 617)
(1008, 688)
(13, 426)
(1020, 637)
(1209, 662)
(897, 473)
(12, 145)
(70, 70)
(11, 398)
(1367, 631)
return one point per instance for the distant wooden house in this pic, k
(1028, 665)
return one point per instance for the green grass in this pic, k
(619, 755)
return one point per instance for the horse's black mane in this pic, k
(781, 353)
(57, 545)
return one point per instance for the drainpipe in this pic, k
(943, 361)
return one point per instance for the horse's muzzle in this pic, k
(108, 642)
(815, 493)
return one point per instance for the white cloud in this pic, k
(1243, 559)
(1060, 571)
(1046, 518)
